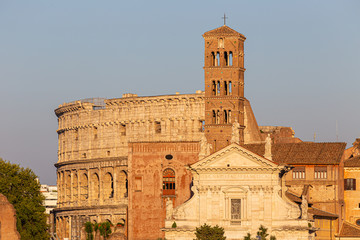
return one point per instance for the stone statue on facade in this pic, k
(169, 208)
(304, 207)
(268, 153)
(235, 134)
(205, 147)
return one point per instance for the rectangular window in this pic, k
(350, 184)
(235, 211)
(138, 184)
(320, 172)
(157, 127)
(299, 173)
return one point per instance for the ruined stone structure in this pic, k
(7, 220)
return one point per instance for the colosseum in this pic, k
(93, 137)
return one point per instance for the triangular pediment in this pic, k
(223, 31)
(234, 156)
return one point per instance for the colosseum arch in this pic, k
(75, 187)
(95, 186)
(84, 189)
(108, 186)
(67, 186)
(122, 184)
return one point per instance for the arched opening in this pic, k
(212, 59)
(213, 88)
(75, 187)
(68, 187)
(226, 88)
(230, 59)
(108, 186)
(84, 190)
(225, 117)
(226, 60)
(95, 186)
(230, 88)
(217, 61)
(229, 116)
(214, 117)
(169, 182)
(218, 88)
(218, 117)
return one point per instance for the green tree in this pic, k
(22, 189)
(89, 231)
(105, 229)
(206, 232)
(260, 235)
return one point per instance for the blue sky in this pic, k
(302, 60)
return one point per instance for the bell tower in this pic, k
(224, 86)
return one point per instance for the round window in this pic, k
(169, 157)
(358, 222)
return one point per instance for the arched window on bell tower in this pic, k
(225, 117)
(217, 60)
(212, 59)
(229, 116)
(226, 60)
(226, 88)
(218, 88)
(214, 117)
(218, 117)
(230, 58)
(213, 88)
(230, 88)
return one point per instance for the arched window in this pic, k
(230, 88)
(217, 61)
(169, 182)
(229, 116)
(212, 59)
(225, 117)
(230, 58)
(218, 117)
(226, 60)
(214, 117)
(226, 88)
(218, 88)
(213, 86)
(108, 186)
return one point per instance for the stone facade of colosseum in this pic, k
(93, 137)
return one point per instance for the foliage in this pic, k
(174, 225)
(105, 229)
(89, 231)
(22, 189)
(206, 232)
(260, 235)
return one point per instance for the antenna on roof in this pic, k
(224, 17)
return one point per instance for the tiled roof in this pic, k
(352, 162)
(321, 213)
(223, 31)
(349, 230)
(302, 153)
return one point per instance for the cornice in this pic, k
(84, 208)
(225, 68)
(81, 161)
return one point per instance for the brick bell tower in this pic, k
(224, 85)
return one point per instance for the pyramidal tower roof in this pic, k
(223, 31)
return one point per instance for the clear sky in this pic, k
(302, 60)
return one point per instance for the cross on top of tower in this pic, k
(224, 17)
